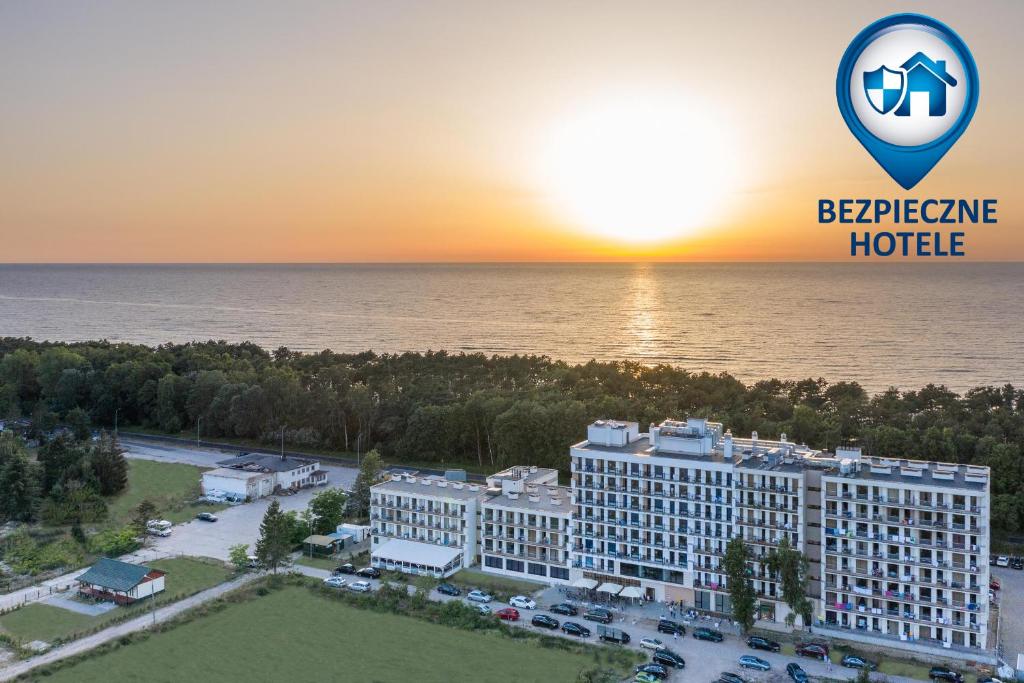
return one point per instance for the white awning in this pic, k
(612, 588)
(585, 584)
(631, 592)
(413, 553)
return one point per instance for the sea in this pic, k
(880, 324)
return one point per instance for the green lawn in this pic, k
(39, 621)
(499, 586)
(292, 635)
(895, 667)
(319, 562)
(170, 486)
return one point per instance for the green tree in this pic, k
(371, 469)
(19, 483)
(238, 555)
(141, 515)
(109, 465)
(327, 510)
(790, 566)
(275, 542)
(741, 590)
(79, 423)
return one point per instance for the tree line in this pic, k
(486, 412)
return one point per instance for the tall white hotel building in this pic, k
(898, 549)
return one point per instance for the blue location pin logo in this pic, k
(907, 88)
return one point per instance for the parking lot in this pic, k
(236, 524)
(705, 661)
(1011, 607)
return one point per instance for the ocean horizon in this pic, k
(880, 324)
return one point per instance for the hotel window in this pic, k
(537, 569)
(514, 566)
(560, 573)
(494, 562)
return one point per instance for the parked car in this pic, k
(1017, 563)
(671, 627)
(816, 650)
(644, 677)
(991, 560)
(482, 609)
(651, 644)
(479, 596)
(360, 586)
(508, 614)
(730, 677)
(1002, 561)
(571, 628)
(346, 568)
(752, 662)
(206, 517)
(544, 621)
(522, 602)
(855, 662)
(608, 634)
(598, 614)
(759, 643)
(944, 673)
(564, 608)
(708, 634)
(369, 572)
(668, 658)
(796, 673)
(448, 589)
(335, 582)
(656, 670)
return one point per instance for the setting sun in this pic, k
(638, 168)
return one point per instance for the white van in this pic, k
(158, 527)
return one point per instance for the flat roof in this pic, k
(927, 477)
(543, 504)
(642, 447)
(413, 552)
(229, 473)
(415, 487)
(266, 461)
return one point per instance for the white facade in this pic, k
(897, 550)
(427, 510)
(238, 483)
(255, 475)
(525, 525)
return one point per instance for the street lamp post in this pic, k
(199, 421)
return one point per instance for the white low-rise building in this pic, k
(255, 475)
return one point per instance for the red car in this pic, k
(994, 584)
(816, 650)
(508, 614)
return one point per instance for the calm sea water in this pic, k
(880, 324)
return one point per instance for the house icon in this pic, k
(924, 75)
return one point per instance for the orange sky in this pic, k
(137, 132)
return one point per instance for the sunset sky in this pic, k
(425, 131)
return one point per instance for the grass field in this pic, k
(499, 586)
(319, 562)
(39, 621)
(291, 635)
(169, 486)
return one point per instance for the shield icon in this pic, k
(884, 88)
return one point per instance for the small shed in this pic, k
(120, 582)
(319, 545)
